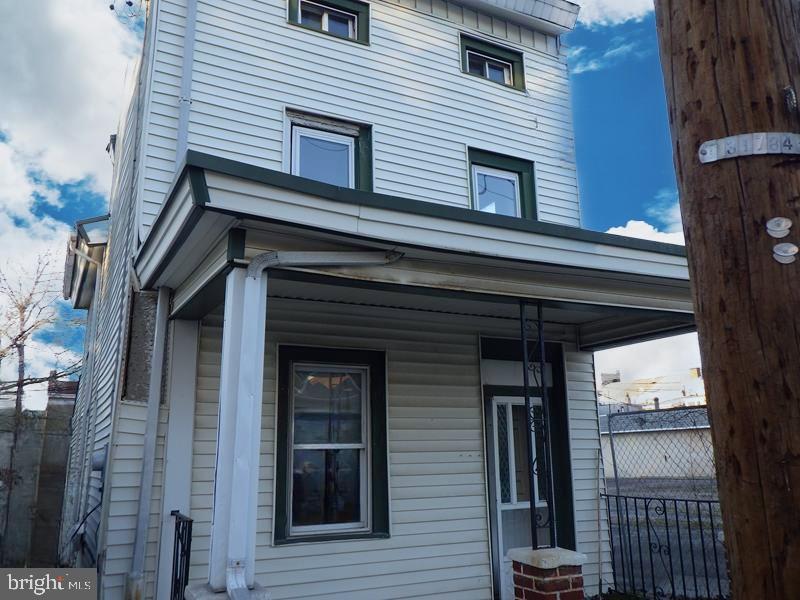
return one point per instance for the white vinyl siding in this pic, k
(250, 66)
(438, 506)
(591, 522)
(439, 547)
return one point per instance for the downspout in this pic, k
(135, 585)
(185, 98)
(240, 568)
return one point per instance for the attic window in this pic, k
(348, 19)
(496, 63)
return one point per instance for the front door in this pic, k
(512, 493)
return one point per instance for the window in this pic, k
(329, 150)
(490, 68)
(324, 156)
(495, 63)
(502, 185)
(496, 191)
(332, 457)
(348, 19)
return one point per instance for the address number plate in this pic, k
(749, 144)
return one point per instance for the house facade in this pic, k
(343, 256)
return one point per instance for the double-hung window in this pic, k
(502, 185)
(329, 150)
(347, 19)
(489, 61)
(331, 468)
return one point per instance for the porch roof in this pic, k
(220, 214)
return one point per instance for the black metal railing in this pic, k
(667, 547)
(181, 553)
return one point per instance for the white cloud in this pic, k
(612, 12)
(62, 75)
(665, 210)
(619, 50)
(675, 354)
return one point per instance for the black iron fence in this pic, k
(181, 553)
(667, 548)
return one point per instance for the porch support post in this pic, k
(228, 384)
(548, 462)
(523, 326)
(247, 447)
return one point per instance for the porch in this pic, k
(441, 495)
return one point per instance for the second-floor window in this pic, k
(329, 150)
(348, 19)
(502, 185)
(324, 156)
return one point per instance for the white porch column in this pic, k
(228, 384)
(180, 433)
(233, 531)
(247, 449)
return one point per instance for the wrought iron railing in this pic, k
(667, 547)
(181, 553)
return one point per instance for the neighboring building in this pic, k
(32, 484)
(676, 390)
(304, 307)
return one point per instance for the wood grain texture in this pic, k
(726, 65)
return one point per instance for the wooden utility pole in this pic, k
(733, 67)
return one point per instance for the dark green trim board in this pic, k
(503, 53)
(379, 479)
(363, 158)
(279, 179)
(359, 9)
(236, 239)
(523, 168)
(198, 185)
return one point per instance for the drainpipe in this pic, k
(240, 576)
(135, 587)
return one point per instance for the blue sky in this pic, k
(67, 71)
(622, 136)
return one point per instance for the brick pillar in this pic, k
(547, 574)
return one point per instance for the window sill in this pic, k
(331, 537)
(512, 88)
(327, 34)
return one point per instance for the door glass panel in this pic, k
(504, 468)
(520, 452)
(326, 487)
(327, 407)
(325, 160)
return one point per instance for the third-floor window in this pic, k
(347, 19)
(489, 61)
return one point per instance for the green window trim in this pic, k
(524, 170)
(359, 9)
(514, 57)
(378, 440)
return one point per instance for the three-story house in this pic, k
(342, 311)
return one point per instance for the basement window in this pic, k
(490, 61)
(348, 19)
(332, 445)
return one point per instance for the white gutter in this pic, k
(246, 426)
(135, 586)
